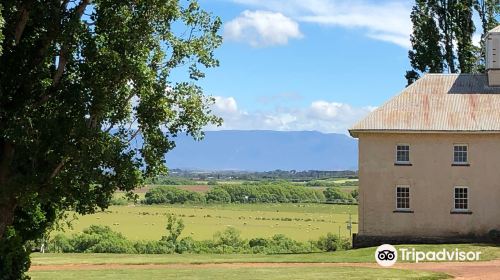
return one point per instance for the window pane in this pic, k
(403, 153)
(460, 153)
(403, 197)
(461, 198)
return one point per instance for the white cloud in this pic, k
(262, 28)
(225, 105)
(319, 116)
(381, 20)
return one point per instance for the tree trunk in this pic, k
(7, 200)
(7, 209)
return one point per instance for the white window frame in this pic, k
(409, 153)
(467, 199)
(466, 154)
(409, 197)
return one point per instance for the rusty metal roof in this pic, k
(495, 30)
(439, 103)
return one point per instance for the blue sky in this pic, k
(307, 64)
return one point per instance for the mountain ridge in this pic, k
(264, 150)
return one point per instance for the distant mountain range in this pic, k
(263, 150)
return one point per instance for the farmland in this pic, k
(298, 221)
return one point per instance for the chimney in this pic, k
(493, 56)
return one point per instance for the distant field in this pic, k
(298, 221)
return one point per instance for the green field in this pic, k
(298, 221)
(240, 273)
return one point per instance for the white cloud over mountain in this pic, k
(320, 115)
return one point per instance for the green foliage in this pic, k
(229, 237)
(174, 227)
(262, 192)
(334, 193)
(98, 239)
(355, 194)
(14, 259)
(442, 36)
(171, 181)
(218, 195)
(328, 243)
(71, 88)
(281, 192)
(212, 183)
(171, 195)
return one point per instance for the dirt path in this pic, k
(472, 270)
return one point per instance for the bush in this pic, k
(218, 195)
(355, 194)
(101, 239)
(262, 242)
(60, 244)
(334, 193)
(328, 243)
(229, 237)
(170, 195)
(154, 247)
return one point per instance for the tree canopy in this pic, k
(79, 80)
(442, 38)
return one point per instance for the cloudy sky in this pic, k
(307, 64)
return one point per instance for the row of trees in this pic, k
(249, 193)
(102, 239)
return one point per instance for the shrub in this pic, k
(101, 239)
(154, 247)
(254, 242)
(334, 193)
(328, 243)
(168, 195)
(355, 194)
(218, 195)
(229, 237)
(174, 227)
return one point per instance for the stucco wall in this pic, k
(432, 179)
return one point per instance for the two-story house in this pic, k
(429, 160)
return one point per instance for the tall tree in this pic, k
(426, 55)
(79, 80)
(442, 35)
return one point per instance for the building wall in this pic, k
(432, 179)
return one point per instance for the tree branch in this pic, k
(21, 24)
(63, 59)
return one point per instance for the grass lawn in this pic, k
(350, 256)
(301, 222)
(240, 274)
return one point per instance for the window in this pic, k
(460, 154)
(461, 199)
(403, 153)
(403, 197)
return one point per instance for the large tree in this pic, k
(79, 80)
(442, 36)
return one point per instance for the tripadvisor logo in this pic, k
(387, 255)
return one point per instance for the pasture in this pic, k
(301, 222)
